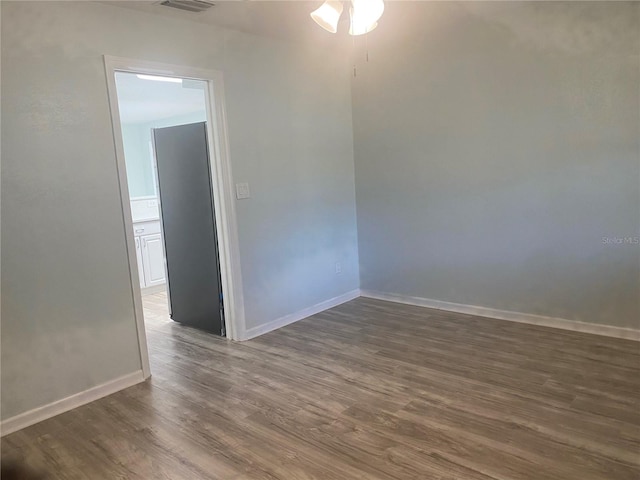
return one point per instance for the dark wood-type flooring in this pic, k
(367, 390)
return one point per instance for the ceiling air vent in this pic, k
(195, 6)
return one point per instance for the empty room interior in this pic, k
(360, 239)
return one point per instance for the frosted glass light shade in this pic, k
(327, 15)
(365, 15)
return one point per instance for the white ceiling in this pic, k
(142, 101)
(287, 19)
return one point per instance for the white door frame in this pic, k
(221, 178)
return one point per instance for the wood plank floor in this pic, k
(367, 390)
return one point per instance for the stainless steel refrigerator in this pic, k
(189, 226)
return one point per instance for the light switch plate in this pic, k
(242, 191)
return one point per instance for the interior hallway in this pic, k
(367, 390)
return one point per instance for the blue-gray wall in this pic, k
(496, 146)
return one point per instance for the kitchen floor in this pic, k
(156, 310)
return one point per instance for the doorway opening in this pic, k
(178, 211)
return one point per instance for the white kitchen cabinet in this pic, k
(153, 260)
(149, 253)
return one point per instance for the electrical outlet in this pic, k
(338, 268)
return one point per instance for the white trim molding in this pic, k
(553, 322)
(300, 315)
(223, 191)
(39, 414)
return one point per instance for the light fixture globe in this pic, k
(360, 29)
(328, 14)
(365, 15)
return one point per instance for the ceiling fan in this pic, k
(364, 15)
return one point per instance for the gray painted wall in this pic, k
(67, 310)
(496, 144)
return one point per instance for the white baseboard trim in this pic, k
(553, 322)
(297, 316)
(39, 414)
